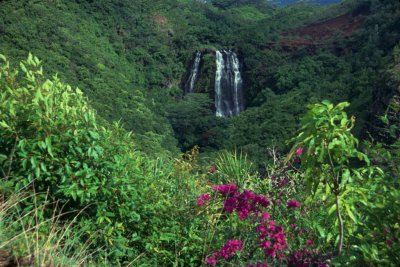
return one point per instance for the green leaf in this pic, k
(23, 67)
(37, 172)
(332, 209)
(167, 237)
(329, 237)
(30, 57)
(321, 231)
(350, 213)
(346, 177)
(3, 157)
(94, 135)
(4, 124)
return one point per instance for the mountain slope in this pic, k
(89, 45)
(130, 58)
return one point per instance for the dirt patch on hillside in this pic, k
(320, 33)
(344, 25)
(162, 23)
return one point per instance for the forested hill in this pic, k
(199, 133)
(131, 57)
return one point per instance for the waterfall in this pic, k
(189, 85)
(228, 85)
(218, 75)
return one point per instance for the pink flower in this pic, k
(258, 265)
(230, 204)
(272, 238)
(226, 189)
(265, 216)
(261, 200)
(293, 204)
(227, 251)
(201, 199)
(247, 195)
(309, 242)
(230, 248)
(245, 204)
(265, 244)
(212, 261)
(299, 151)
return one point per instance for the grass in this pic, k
(31, 240)
(234, 167)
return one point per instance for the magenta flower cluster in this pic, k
(244, 203)
(293, 203)
(203, 198)
(227, 251)
(306, 258)
(258, 265)
(272, 237)
(226, 190)
(299, 151)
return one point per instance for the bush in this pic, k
(50, 141)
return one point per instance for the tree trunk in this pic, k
(341, 231)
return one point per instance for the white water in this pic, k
(189, 86)
(237, 85)
(228, 85)
(218, 91)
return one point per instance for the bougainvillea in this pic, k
(227, 251)
(273, 239)
(270, 238)
(201, 199)
(226, 190)
(293, 204)
(244, 203)
(258, 265)
(305, 258)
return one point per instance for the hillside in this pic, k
(90, 45)
(199, 133)
(135, 74)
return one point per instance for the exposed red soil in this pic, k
(345, 25)
(319, 33)
(160, 20)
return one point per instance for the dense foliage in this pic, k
(93, 177)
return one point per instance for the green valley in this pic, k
(199, 133)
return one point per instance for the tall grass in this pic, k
(234, 167)
(31, 240)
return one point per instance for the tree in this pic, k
(327, 146)
(191, 118)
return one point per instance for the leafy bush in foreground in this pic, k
(51, 141)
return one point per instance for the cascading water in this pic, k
(189, 85)
(228, 85)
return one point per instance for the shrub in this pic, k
(51, 141)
